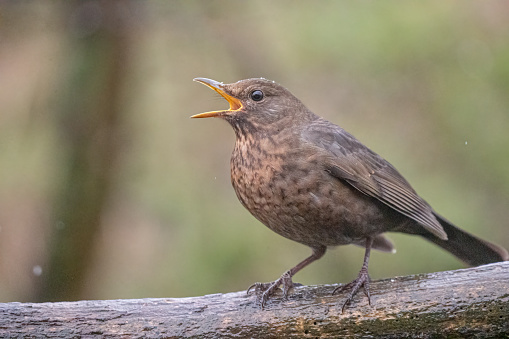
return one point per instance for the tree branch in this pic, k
(461, 303)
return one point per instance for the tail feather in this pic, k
(467, 247)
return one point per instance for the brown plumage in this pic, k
(312, 182)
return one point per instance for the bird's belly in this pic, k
(311, 208)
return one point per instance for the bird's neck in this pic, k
(250, 148)
(258, 139)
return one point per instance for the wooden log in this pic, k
(462, 303)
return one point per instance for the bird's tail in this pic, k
(467, 247)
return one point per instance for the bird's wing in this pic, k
(349, 160)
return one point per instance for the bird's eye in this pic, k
(256, 95)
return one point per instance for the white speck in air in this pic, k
(37, 270)
(60, 225)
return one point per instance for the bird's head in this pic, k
(256, 104)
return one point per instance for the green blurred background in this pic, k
(108, 189)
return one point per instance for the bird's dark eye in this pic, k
(256, 95)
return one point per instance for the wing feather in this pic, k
(349, 160)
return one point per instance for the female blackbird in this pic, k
(312, 182)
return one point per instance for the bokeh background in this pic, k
(108, 189)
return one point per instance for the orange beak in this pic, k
(235, 103)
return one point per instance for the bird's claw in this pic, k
(264, 291)
(362, 280)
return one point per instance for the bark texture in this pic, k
(462, 303)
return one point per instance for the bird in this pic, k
(312, 182)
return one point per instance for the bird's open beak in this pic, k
(235, 103)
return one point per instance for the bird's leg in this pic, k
(265, 290)
(362, 279)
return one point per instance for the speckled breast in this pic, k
(289, 193)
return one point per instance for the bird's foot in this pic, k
(264, 291)
(362, 280)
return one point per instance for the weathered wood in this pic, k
(463, 303)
